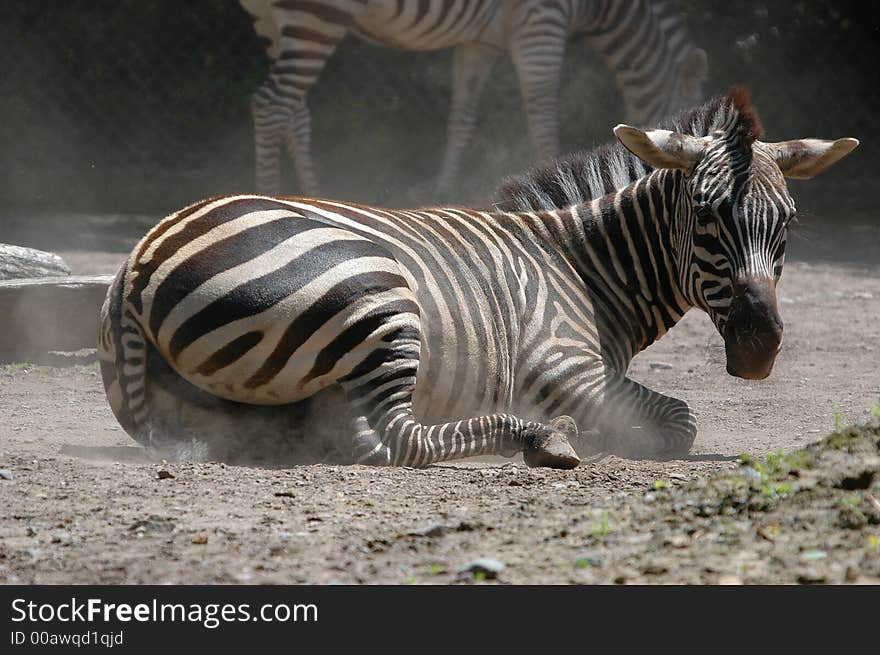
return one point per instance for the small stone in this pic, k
(660, 365)
(490, 568)
(813, 555)
(164, 474)
(654, 568)
(433, 530)
(730, 580)
(200, 539)
(6, 474)
(810, 575)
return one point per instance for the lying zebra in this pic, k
(406, 320)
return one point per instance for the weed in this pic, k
(601, 528)
(582, 563)
(408, 577)
(660, 484)
(436, 569)
(838, 417)
(852, 501)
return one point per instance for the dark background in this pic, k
(142, 106)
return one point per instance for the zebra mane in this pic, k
(582, 176)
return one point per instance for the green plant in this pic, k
(838, 416)
(408, 576)
(601, 528)
(582, 563)
(851, 501)
(660, 484)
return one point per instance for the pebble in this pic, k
(6, 474)
(810, 575)
(660, 365)
(433, 530)
(730, 580)
(164, 474)
(487, 566)
(200, 539)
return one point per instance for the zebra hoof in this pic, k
(551, 448)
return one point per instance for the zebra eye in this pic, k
(705, 216)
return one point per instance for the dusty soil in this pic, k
(85, 505)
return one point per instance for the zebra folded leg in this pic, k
(636, 422)
(386, 432)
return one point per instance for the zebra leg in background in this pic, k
(634, 421)
(380, 391)
(308, 39)
(538, 52)
(472, 64)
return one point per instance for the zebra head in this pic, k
(728, 220)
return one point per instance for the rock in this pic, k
(654, 567)
(861, 480)
(812, 555)
(17, 262)
(433, 530)
(809, 575)
(6, 474)
(38, 315)
(660, 365)
(489, 568)
(61, 358)
(153, 524)
(164, 474)
(200, 539)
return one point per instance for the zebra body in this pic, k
(644, 42)
(495, 321)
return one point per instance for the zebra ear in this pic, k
(806, 158)
(661, 148)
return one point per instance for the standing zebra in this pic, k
(644, 42)
(415, 318)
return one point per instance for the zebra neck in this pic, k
(620, 246)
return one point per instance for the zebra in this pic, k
(644, 42)
(449, 332)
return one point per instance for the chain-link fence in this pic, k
(143, 105)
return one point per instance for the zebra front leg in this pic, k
(634, 421)
(471, 67)
(386, 432)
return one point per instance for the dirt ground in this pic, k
(81, 503)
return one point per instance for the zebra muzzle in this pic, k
(753, 332)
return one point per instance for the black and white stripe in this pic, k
(453, 332)
(644, 43)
